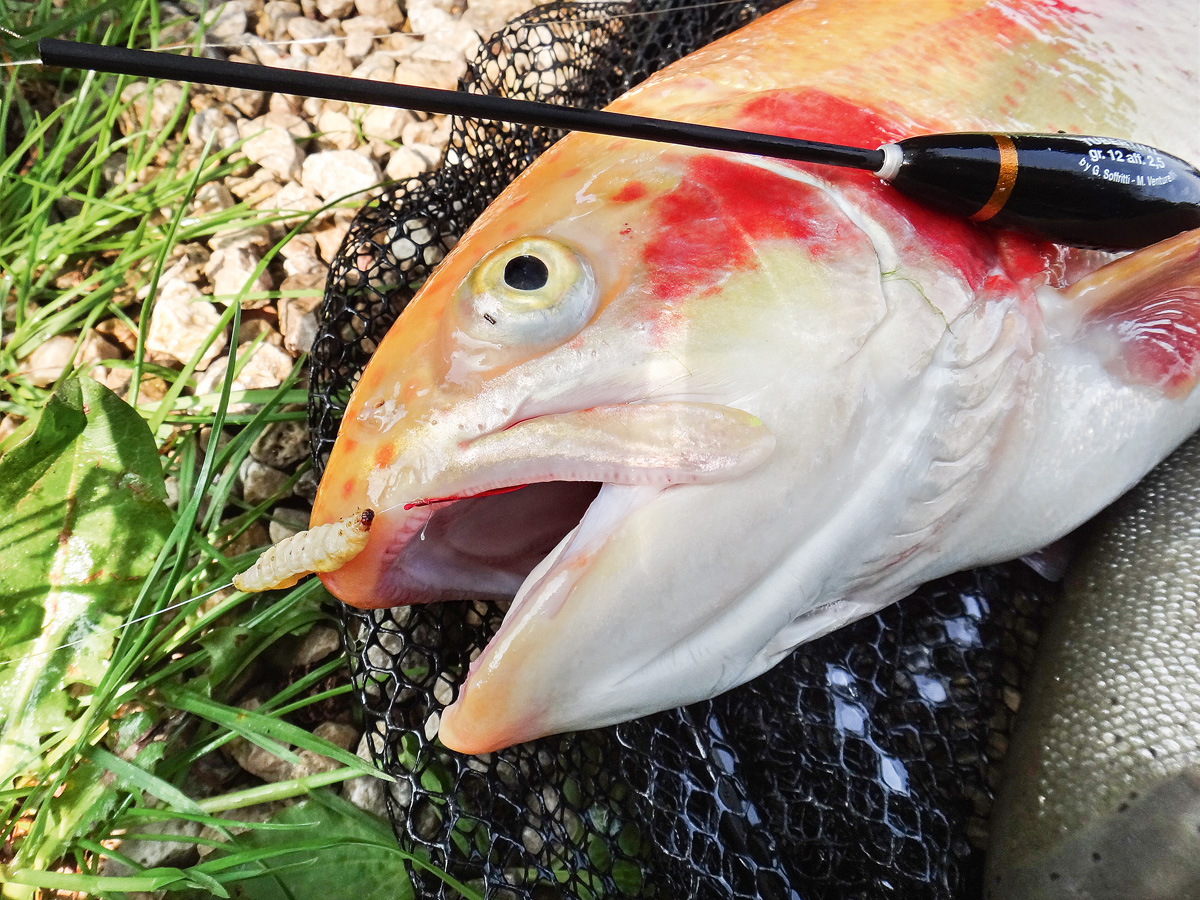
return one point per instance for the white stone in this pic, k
(332, 60)
(388, 10)
(266, 368)
(232, 268)
(358, 46)
(285, 523)
(335, 9)
(311, 36)
(298, 321)
(335, 173)
(275, 150)
(48, 360)
(289, 121)
(227, 23)
(429, 73)
(331, 232)
(376, 67)
(260, 482)
(254, 190)
(212, 122)
(153, 853)
(212, 198)
(372, 25)
(293, 197)
(385, 122)
(272, 25)
(181, 321)
(336, 130)
(248, 103)
(320, 643)
(405, 162)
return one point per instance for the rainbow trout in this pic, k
(693, 409)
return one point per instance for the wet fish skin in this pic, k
(1101, 792)
(899, 394)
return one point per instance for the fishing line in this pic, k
(121, 627)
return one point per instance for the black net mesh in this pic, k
(859, 768)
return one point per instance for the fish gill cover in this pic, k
(861, 767)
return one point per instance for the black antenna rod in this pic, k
(151, 64)
(1106, 193)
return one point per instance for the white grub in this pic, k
(321, 549)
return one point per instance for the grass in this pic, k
(96, 193)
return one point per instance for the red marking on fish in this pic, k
(711, 223)
(634, 190)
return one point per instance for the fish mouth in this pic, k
(503, 501)
(525, 513)
(470, 547)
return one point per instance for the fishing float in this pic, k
(1104, 193)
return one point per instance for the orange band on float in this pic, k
(1005, 180)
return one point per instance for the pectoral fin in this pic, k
(1143, 313)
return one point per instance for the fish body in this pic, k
(801, 394)
(1101, 790)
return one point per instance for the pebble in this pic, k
(265, 369)
(298, 318)
(311, 35)
(260, 482)
(293, 197)
(212, 198)
(385, 122)
(182, 319)
(336, 131)
(376, 67)
(405, 162)
(274, 149)
(233, 268)
(335, 173)
(151, 853)
(43, 366)
(226, 23)
(282, 444)
(319, 644)
(335, 9)
(286, 522)
(387, 10)
(331, 232)
(332, 60)
(273, 23)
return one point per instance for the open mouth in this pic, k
(485, 533)
(480, 547)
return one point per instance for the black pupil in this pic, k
(526, 273)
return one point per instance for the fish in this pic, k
(1101, 790)
(692, 409)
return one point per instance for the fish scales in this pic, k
(801, 395)
(1101, 797)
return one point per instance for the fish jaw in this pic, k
(652, 444)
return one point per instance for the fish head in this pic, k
(583, 408)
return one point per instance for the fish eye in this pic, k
(533, 292)
(526, 273)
